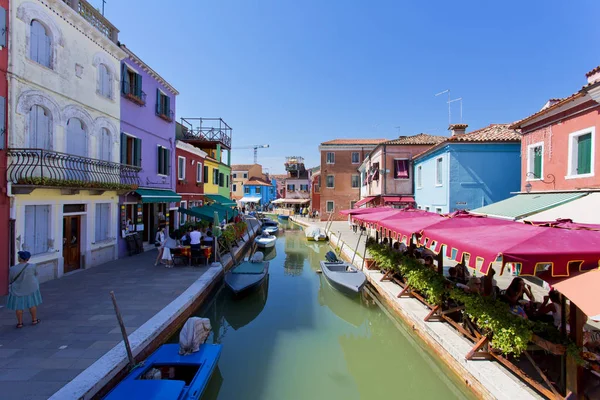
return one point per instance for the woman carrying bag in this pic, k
(159, 243)
(24, 289)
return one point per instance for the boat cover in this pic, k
(249, 268)
(193, 334)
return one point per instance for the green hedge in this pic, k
(73, 183)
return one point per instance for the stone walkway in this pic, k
(79, 324)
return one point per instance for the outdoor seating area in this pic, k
(547, 342)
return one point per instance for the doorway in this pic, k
(71, 241)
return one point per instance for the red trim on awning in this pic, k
(398, 199)
(364, 201)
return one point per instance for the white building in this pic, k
(64, 143)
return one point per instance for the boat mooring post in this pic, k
(123, 331)
(356, 249)
(340, 240)
(364, 253)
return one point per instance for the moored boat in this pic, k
(270, 229)
(284, 217)
(343, 277)
(315, 233)
(265, 240)
(248, 275)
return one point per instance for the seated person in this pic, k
(185, 239)
(474, 285)
(428, 261)
(514, 296)
(490, 287)
(208, 238)
(462, 273)
(452, 274)
(552, 312)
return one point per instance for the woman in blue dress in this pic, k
(24, 289)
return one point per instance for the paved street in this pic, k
(78, 322)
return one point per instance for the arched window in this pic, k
(39, 134)
(105, 146)
(76, 138)
(105, 86)
(40, 48)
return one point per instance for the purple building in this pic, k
(148, 141)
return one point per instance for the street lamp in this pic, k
(551, 180)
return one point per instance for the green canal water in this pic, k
(298, 338)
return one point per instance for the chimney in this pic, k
(458, 129)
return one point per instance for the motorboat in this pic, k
(283, 217)
(344, 277)
(248, 275)
(269, 222)
(174, 371)
(265, 240)
(315, 233)
(270, 229)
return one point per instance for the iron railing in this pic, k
(167, 115)
(139, 99)
(95, 18)
(50, 168)
(207, 129)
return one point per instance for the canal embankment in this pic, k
(487, 379)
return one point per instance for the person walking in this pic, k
(24, 289)
(159, 242)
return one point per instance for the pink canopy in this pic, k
(359, 211)
(565, 224)
(373, 218)
(583, 291)
(408, 223)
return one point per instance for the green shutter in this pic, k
(584, 154)
(158, 107)
(168, 161)
(138, 85)
(124, 79)
(123, 148)
(137, 152)
(205, 175)
(537, 162)
(167, 106)
(161, 160)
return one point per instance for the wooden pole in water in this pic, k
(364, 253)
(340, 240)
(123, 331)
(356, 249)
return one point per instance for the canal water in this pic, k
(298, 338)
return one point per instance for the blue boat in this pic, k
(283, 217)
(247, 276)
(166, 375)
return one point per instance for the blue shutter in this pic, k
(123, 148)
(138, 85)
(41, 228)
(137, 152)
(98, 236)
(158, 107)
(34, 40)
(29, 236)
(2, 27)
(167, 106)
(161, 160)
(168, 161)
(124, 79)
(43, 126)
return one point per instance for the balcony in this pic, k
(95, 18)
(31, 168)
(138, 98)
(206, 132)
(167, 115)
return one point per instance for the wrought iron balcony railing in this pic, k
(167, 115)
(207, 129)
(137, 98)
(40, 167)
(95, 18)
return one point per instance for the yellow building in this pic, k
(210, 165)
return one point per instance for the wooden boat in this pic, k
(247, 276)
(344, 277)
(265, 241)
(315, 233)
(166, 375)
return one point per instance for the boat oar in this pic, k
(123, 331)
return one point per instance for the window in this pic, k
(234, 187)
(438, 210)
(304, 188)
(37, 229)
(330, 181)
(401, 169)
(226, 181)
(163, 106)
(330, 158)
(352, 203)
(182, 216)
(355, 158)
(199, 171)
(318, 185)
(247, 190)
(355, 181)
(581, 153)
(330, 206)
(3, 30)
(40, 128)
(181, 168)
(234, 175)
(221, 179)
(102, 222)
(131, 150)
(426, 208)
(419, 176)
(105, 148)
(205, 174)
(131, 85)
(215, 176)
(40, 46)
(375, 171)
(535, 157)
(164, 161)
(291, 187)
(439, 171)
(105, 78)
(76, 137)
(257, 190)
(245, 175)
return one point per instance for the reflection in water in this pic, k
(349, 309)
(240, 312)
(269, 253)
(293, 264)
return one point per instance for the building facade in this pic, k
(468, 170)
(386, 173)
(240, 174)
(64, 170)
(147, 142)
(190, 178)
(315, 189)
(260, 190)
(340, 180)
(6, 248)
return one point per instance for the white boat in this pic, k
(270, 229)
(315, 233)
(344, 277)
(265, 240)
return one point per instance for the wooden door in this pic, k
(71, 243)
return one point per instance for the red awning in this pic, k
(565, 224)
(398, 199)
(364, 201)
(370, 218)
(583, 291)
(406, 223)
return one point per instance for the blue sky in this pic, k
(293, 74)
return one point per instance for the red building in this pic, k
(190, 177)
(6, 257)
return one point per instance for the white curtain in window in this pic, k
(40, 45)
(38, 136)
(102, 221)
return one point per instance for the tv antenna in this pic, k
(452, 101)
(103, 3)
(449, 112)
(398, 127)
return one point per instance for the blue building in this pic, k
(468, 170)
(259, 190)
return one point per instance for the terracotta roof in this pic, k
(354, 141)
(257, 181)
(420, 139)
(519, 124)
(491, 133)
(241, 167)
(592, 72)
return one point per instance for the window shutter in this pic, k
(30, 228)
(41, 229)
(137, 152)
(167, 106)
(161, 160)
(168, 161)
(34, 42)
(584, 154)
(43, 125)
(123, 148)
(158, 107)
(124, 79)
(205, 177)
(2, 27)
(138, 85)
(47, 50)
(537, 162)
(98, 236)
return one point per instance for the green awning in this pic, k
(524, 205)
(189, 212)
(222, 200)
(158, 196)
